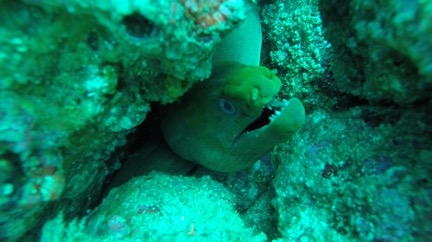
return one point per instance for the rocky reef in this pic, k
(76, 78)
(79, 81)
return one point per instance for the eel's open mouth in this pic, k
(269, 112)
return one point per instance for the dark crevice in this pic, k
(138, 26)
(146, 132)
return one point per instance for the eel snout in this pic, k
(286, 116)
(278, 121)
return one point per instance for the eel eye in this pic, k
(227, 107)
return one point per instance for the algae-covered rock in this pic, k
(359, 169)
(383, 49)
(160, 208)
(295, 47)
(348, 178)
(75, 78)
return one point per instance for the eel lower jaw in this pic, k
(278, 119)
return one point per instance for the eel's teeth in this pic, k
(274, 103)
(277, 103)
(269, 106)
(274, 115)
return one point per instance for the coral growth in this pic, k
(297, 49)
(189, 209)
(76, 78)
(383, 48)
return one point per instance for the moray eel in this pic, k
(231, 120)
(225, 123)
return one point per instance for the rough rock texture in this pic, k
(295, 47)
(189, 209)
(359, 170)
(76, 78)
(382, 49)
(348, 178)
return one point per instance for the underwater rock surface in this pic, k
(382, 48)
(188, 209)
(77, 79)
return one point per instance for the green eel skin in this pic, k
(213, 124)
